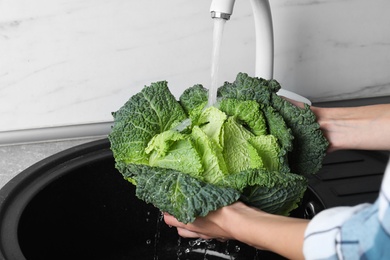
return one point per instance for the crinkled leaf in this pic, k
(239, 154)
(271, 191)
(276, 200)
(193, 100)
(309, 143)
(247, 111)
(211, 156)
(176, 151)
(179, 194)
(211, 121)
(162, 142)
(150, 112)
(249, 88)
(278, 128)
(268, 149)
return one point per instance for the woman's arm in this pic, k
(365, 127)
(282, 235)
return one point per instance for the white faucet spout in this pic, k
(264, 32)
(264, 38)
(222, 8)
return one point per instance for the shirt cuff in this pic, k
(324, 230)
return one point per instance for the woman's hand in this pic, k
(282, 235)
(361, 128)
(213, 226)
(190, 230)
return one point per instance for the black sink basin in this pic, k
(76, 205)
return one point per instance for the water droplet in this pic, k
(147, 220)
(237, 249)
(187, 251)
(192, 242)
(148, 242)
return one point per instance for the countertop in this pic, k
(16, 158)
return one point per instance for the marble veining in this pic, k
(68, 62)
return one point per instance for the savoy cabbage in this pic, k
(188, 159)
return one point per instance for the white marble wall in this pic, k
(72, 62)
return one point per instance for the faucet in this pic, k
(223, 9)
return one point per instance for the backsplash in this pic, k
(73, 62)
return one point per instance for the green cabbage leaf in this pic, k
(187, 158)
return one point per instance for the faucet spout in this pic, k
(264, 38)
(222, 9)
(264, 32)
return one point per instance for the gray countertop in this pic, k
(16, 158)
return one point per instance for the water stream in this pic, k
(219, 25)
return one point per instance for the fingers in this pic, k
(172, 221)
(190, 234)
(182, 229)
(186, 233)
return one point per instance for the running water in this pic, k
(219, 25)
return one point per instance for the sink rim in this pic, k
(21, 189)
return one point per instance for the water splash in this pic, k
(202, 249)
(159, 223)
(179, 251)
